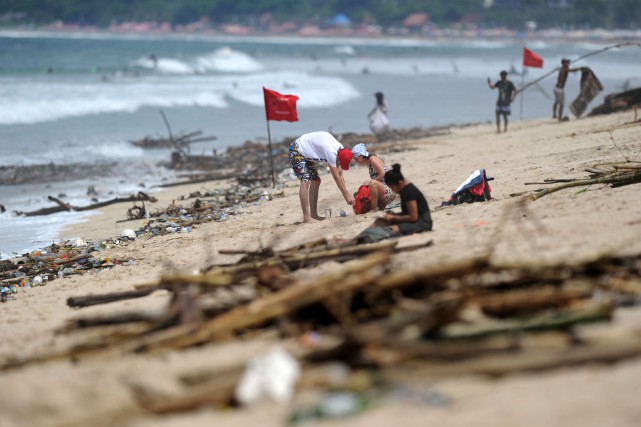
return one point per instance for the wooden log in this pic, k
(393, 351)
(62, 208)
(607, 350)
(63, 205)
(560, 320)
(116, 319)
(527, 301)
(89, 300)
(435, 274)
(618, 179)
(225, 275)
(271, 306)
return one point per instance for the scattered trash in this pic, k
(128, 233)
(339, 404)
(273, 375)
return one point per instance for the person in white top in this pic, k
(304, 153)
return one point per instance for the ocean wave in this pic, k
(313, 91)
(35, 102)
(165, 65)
(228, 60)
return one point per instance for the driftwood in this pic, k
(64, 207)
(181, 140)
(89, 300)
(618, 102)
(466, 315)
(618, 180)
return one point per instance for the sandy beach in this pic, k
(563, 227)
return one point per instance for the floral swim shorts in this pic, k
(303, 168)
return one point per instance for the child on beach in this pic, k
(304, 153)
(415, 213)
(381, 194)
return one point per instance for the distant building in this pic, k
(416, 21)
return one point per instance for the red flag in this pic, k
(531, 59)
(280, 107)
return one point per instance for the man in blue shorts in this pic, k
(304, 153)
(507, 93)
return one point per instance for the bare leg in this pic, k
(560, 112)
(313, 199)
(505, 123)
(498, 122)
(373, 191)
(377, 190)
(303, 194)
(554, 110)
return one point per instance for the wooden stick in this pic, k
(559, 320)
(89, 300)
(273, 305)
(629, 178)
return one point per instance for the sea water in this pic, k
(82, 97)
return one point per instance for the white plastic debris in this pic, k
(79, 243)
(272, 375)
(128, 233)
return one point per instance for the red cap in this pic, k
(345, 156)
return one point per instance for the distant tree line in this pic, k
(386, 13)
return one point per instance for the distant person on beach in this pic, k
(559, 91)
(507, 93)
(415, 213)
(304, 153)
(378, 121)
(381, 194)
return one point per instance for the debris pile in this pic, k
(216, 205)
(68, 258)
(620, 101)
(182, 140)
(66, 207)
(465, 316)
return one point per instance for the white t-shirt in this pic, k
(319, 147)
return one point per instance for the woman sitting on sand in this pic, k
(415, 213)
(381, 194)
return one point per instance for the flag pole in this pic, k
(522, 83)
(271, 157)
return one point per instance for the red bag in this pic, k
(362, 200)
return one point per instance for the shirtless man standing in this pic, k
(559, 92)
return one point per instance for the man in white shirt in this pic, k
(304, 153)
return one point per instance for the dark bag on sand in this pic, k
(362, 200)
(375, 234)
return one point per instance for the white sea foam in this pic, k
(34, 102)
(313, 91)
(42, 230)
(228, 60)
